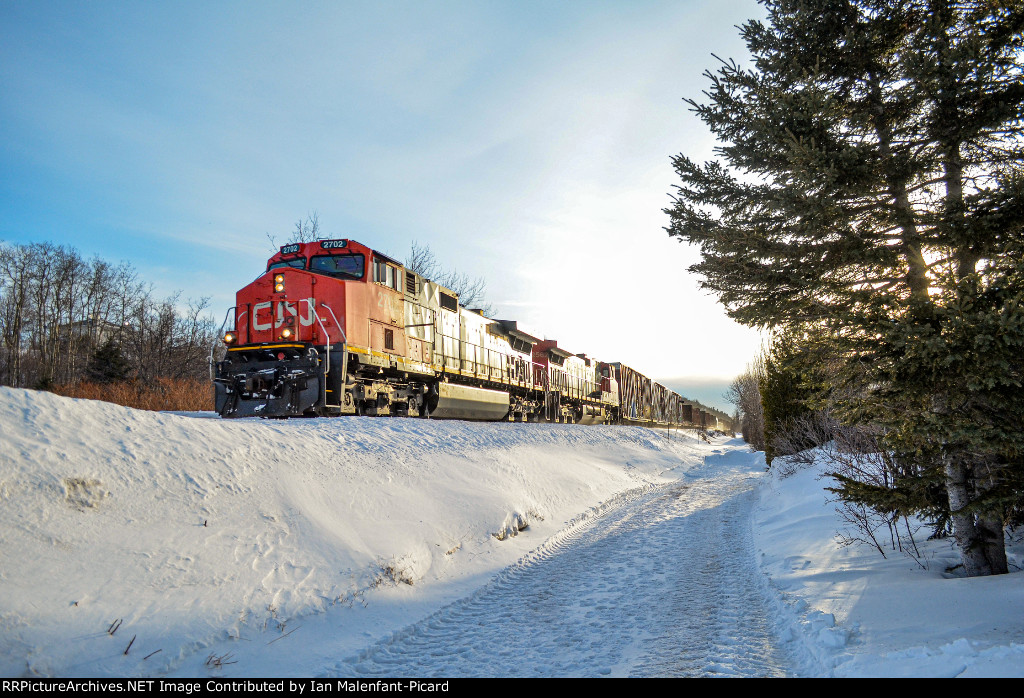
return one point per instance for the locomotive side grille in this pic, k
(449, 302)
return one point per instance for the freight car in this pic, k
(335, 328)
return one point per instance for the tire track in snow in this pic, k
(661, 582)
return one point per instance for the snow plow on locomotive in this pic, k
(336, 328)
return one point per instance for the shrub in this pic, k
(161, 394)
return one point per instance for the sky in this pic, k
(422, 548)
(528, 143)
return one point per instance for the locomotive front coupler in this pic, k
(269, 381)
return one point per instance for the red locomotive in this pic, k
(336, 328)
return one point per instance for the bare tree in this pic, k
(745, 393)
(472, 292)
(56, 309)
(166, 342)
(307, 230)
(422, 261)
(15, 263)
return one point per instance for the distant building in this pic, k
(97, 330)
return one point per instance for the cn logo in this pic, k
(283, 308)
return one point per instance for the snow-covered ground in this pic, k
(377, 547)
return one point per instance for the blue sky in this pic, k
(525, 142)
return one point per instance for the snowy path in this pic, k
(662, 583)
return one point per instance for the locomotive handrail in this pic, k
(344, 347)
(220, 335)
(464, 362)
(344, 356)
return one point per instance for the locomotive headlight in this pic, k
(286, 332)
(279, 283)
(230, 338)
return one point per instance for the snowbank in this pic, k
(859, 614)
(189, 530)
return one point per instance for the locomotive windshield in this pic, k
(299, 263)
(346, 266)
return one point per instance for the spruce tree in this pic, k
(869, 187)
(783, 395)
(107, 364)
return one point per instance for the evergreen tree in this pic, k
(783, 394)
(870, 188)
(107, 364)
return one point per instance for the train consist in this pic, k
(335, 328)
